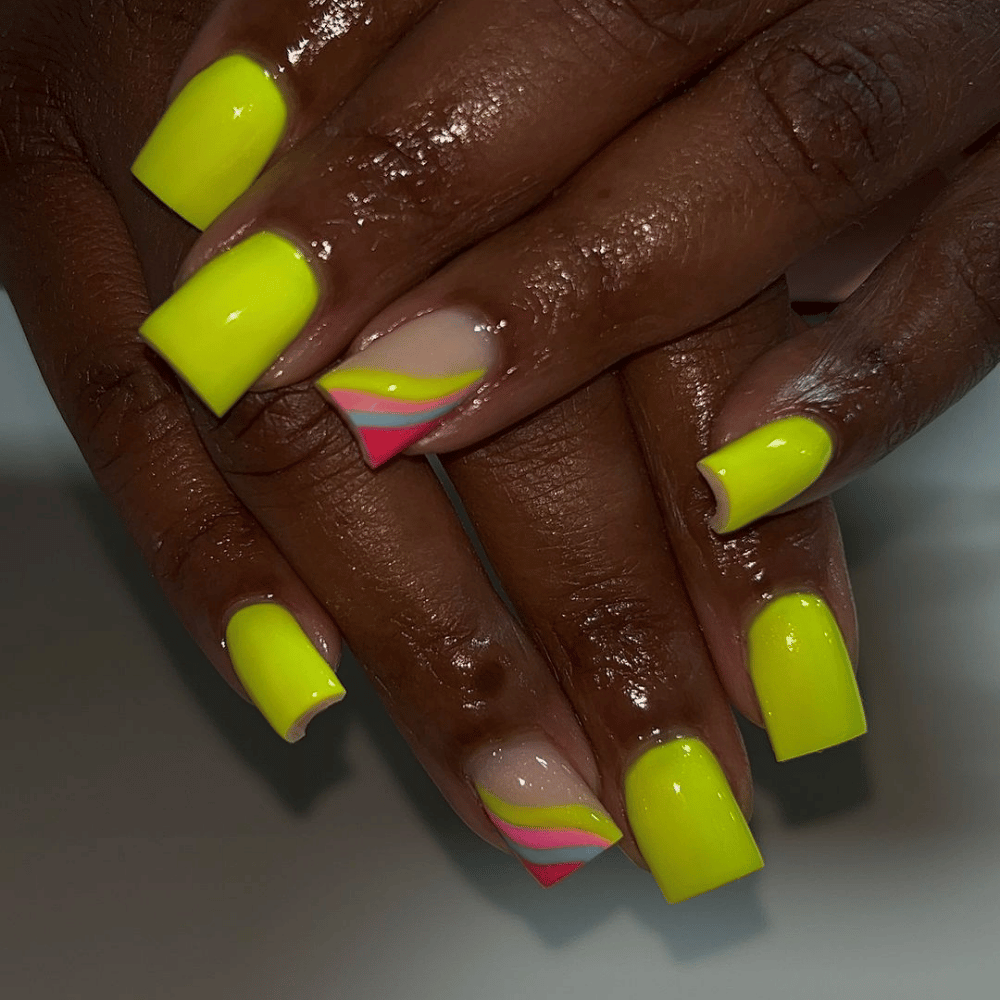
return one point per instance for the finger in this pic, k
(259, 77)
(427, 157)
(814, 412)
(461, 680)
(564, 509)
(240, 600)
(694, 210)
(459, 685)
(774, 603)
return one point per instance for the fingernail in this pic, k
(214, 139)
(226, 325)
(280, 668)
(759, 472)
(686, 821)
(803, 676)
(543, 809)
(400, 387)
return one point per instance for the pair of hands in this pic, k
(633, 616)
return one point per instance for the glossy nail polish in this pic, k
(803, 676)
(686, 821)
(280, 668)
(214, 139)
(225, 326)
(543, 809)
(400, 387)
(759, 472)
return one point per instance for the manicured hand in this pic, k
(402, 135)
(600, 710)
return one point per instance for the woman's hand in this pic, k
(587, 715)
(446, 124)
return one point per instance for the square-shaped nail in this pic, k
(543, 809)
(402, 385)
(280, 668)
(228, 323)
(761, 471)
(214, 139)
(803, 677)
(686, 820)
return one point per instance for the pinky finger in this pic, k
(824, 406)
(241, 601)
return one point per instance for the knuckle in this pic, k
(207, 534)
(835, 109)
(638, 28)
(575, 274)
(398, 171)
(292, 440)
(113, 396)
(971, 253)
(610, 638)
(136, 432)
(474, 667)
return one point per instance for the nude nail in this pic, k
(543, 809)
(403, 385)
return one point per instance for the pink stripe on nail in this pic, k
(369, 402)
(543, 839)
(383, 443)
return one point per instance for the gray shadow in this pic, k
(298, 774)
(560, 915)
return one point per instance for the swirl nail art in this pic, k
(404, 384)
(543, 809)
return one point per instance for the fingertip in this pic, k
(719, 522)
(758, 473)
(280, 667)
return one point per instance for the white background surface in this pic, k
(157, 841)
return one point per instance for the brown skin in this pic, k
(275, 502)
(806, 115)
(912, 341)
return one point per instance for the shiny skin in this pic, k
(274, 502)
(805, 116)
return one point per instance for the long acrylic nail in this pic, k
(803, 676)
(543, 809)
(214, 139)
(280, 668)
(686, 821)
(226, 325)
(759, 472)
(400, 387)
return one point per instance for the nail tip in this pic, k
(674, 898)
(795, 753)
(547, 881)
(719, 522)
(299, 728)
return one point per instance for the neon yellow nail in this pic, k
(761, 471)
(214, 139)
(280, 668)
(803, 676)
(686, 821)
(225, 327)
(397, 385)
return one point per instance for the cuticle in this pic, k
(661, 738)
